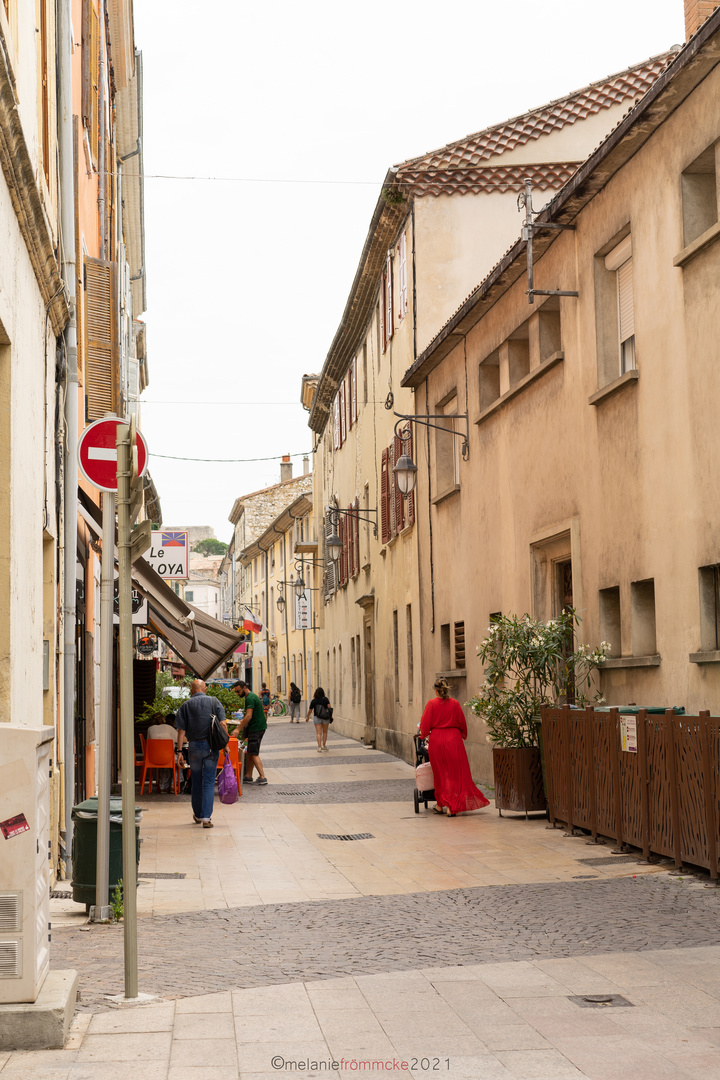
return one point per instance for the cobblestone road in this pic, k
(201, 952)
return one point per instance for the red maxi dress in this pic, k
(444, 722)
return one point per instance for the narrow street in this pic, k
(459, 943)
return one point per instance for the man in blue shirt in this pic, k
(193, 725)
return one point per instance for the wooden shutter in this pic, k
(343, 413)
(91, 75)
(353, 391)
(385, 497)
(329, 574)
(397, 495)
(402, 276)
(410, 501)
(101, 366)
(344, 551)
(626, 308)
(336, 422)
(389, 297)
(356, 538)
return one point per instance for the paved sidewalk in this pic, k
(459, 943)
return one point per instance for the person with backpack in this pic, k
(193, 721)
(294, 699)
(323, 718)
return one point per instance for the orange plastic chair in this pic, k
(233, 748)
(142, 742)
(159, 754)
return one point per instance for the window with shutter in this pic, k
(410, 501)
(389, 312)
(353, 391)
(381, 313)
(356, 538)
(351, 542)
(384, 498)
(101, 368)
(329, 572)
(343, 412)
(398, 508)
(344, 550)
(336, 422)
(91, 76)
(626, 317)
(402, 277)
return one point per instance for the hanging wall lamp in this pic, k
(405, 470)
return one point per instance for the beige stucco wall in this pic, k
(631, 479)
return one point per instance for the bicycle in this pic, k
(277, 707)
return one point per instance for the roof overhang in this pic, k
(690, 67)
(284, 521)
(384, 228)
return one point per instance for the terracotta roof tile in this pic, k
(626, 86)
(544, 176)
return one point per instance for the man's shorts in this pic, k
(254, 739)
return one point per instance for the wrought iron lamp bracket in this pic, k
(357, 515)
(425, 421)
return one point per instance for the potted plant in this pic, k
(528, 664)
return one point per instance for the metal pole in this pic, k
(127, 733)
(102, 908)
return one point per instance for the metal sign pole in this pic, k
(125, 466)
(107, 581)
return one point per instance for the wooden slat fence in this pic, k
(662, 799)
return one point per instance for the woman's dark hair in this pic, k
(319, 693)
(170, 718)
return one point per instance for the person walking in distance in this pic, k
(265, 695)
(294, 699)
(254, 725)
(193, 728)
(444, 722)
(320, 707)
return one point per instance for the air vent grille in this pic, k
(10, 912)
(10, 959)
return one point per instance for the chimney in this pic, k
(696, 12)
(306, 465)
(285, 468)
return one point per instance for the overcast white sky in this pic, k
(305, 106)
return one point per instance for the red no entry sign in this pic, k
(97, 453)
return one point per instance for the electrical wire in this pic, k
(230, 461)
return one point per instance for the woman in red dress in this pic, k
(444, 721)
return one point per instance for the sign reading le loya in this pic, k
(168, 554)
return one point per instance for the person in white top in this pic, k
(161, 729)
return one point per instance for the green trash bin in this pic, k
(84, 848)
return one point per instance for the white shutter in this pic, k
(402, 300)
(389, 328)
(330, 581)
(626, 310)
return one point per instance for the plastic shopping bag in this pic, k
(227, 783)
(424, 778)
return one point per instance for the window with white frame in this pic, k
(619, 262)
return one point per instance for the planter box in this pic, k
(518, 779)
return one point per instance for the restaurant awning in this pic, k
(202, 641)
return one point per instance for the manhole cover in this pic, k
(346, 836)
(296, 791)
(609, 860)
(163, 876)
(601, 1001)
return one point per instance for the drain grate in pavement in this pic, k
(602, 1001)
(175, 877)
(609, 860)
(296, 791)
(346, 836)
(56, 894)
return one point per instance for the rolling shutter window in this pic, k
(384, 498)
(402, 274)
(625, 301)
(101, 374)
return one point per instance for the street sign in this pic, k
(97, 453)
(168, 554)
(302, 613)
